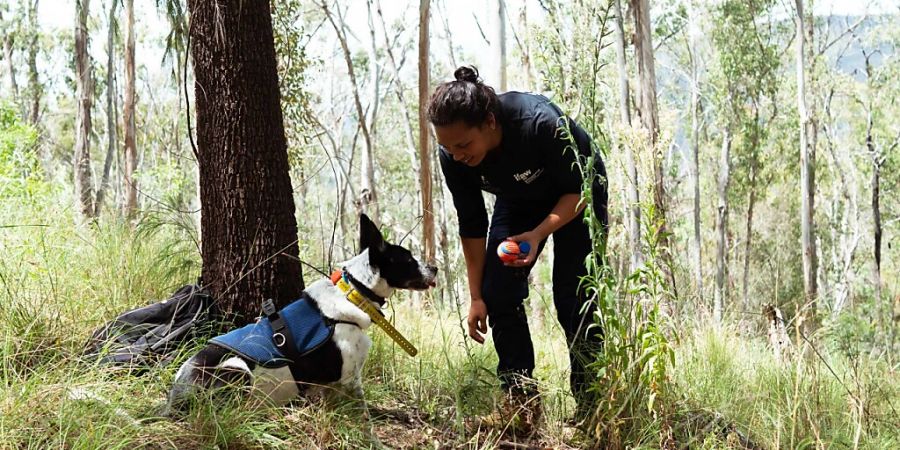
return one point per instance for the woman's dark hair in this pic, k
(467, 99)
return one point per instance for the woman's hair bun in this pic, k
(467, 73)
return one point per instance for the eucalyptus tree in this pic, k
(425, 150)
(8, 25)
(112, 105)
(746, 68)
(84, 93)
(249, 231)
(648, 112)
(880, 135)
(805, 32)
(129, 113)
(35, 88)
(633, 211)
(367, 194)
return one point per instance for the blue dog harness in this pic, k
(281, 337)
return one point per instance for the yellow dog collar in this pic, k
(364, 304)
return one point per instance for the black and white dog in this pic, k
(338, 356)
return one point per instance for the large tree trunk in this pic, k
(633, 220)
(84, 88)
(111, 106)
(424, 135)
(649, 114)
(249, 232)
(807, 172)
(34, 84)
(130, 144)
(722, 225)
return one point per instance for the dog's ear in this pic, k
(369, 235)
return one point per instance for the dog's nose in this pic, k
(432, 269)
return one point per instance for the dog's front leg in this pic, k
(354, 390)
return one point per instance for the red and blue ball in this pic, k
(509, 250)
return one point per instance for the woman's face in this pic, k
(467, 144)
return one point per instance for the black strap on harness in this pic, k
(363, 289)
(281, 334)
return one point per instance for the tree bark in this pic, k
(111, 106)
(424, 135)
(722, 225)
(34, 84)
(8, 43)
(130, 131)
(249, 232)
(84, 88)
(501, 43)
(751, 203)
(633, 186)
(649, 114)
(807, 172)
(525, 46)
(876, 206)
(697, 244)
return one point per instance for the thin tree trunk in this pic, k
(648, 111)
(84, 88)
(632, 187)
(367, 194)
(751, 202)
(34, 84)
(408, 130)
(130, 131)
(754, 173)
(876, 207)
(249, 230)
(722, 225)
(525, 46)
(424, 135)
(111, 106)
(501, 43)
(807, 172)
(368, 158)
(697, 244)
(8, 43)
(442, 9)
(875, 182)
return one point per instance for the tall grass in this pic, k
(60, 281)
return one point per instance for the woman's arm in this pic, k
(566, 209)
(474, 252)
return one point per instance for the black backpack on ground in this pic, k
(149, 335)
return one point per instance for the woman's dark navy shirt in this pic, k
(533, 166)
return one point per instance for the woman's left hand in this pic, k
(533, 238)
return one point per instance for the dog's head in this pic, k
(394, 263)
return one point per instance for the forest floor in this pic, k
(59, 283)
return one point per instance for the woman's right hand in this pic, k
(477, 320)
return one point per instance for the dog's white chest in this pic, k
(354, 344)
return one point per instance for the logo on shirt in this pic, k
(528, 176)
